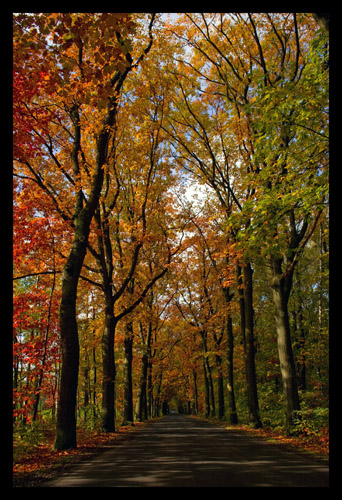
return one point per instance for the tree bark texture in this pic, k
(282, 324)
(83, 214)
(66, 416)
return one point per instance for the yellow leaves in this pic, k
(228, 276)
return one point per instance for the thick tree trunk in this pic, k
(286, 358)
(66, 416)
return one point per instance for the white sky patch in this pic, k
(197, 193)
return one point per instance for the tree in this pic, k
(210, 154)
(287, 149)
(223, 260)
(37, 241)
(78, 63)
(130, 227)
(271, 64)
(145, 298)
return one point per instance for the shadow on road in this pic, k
(178, 451)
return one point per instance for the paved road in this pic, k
(178, 451)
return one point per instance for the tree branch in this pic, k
(302, 245)
(35, 274)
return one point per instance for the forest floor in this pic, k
(313, 445)
(34, 465)
(39, 463)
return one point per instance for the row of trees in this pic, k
(127, 294)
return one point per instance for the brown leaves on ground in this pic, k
(42, 462)
(316, 445)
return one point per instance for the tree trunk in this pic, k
(219, 372)
(155, 399)
(286, 358)
(228, 334)
(86, 399)
(66, 416)
(230, 377)
(150, 400)
(210, 396)
(141, 411)
(301, 364)
(211, 389)
(127, 372)
(94, 383)
(220, 394)
(141, 403)
(206, 390)
(253, 404)
(298, 328)
(108, 366)
(195, 407)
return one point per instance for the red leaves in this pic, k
(31, 347)
(31, 118)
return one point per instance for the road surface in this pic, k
(178, 451)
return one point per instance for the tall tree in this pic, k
(115, 116)
(89, 46)
(287, 151)
(232, 60)
(206, 150)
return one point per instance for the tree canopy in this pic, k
(171, 209)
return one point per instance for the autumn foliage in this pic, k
(213, 303)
